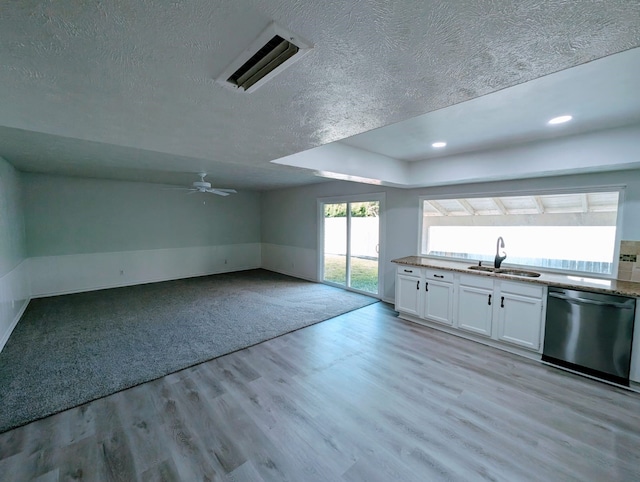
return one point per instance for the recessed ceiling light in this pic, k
(560, 120)
(438, 144)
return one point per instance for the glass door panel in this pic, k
(364, 246)
(335, 243)
(351, 245)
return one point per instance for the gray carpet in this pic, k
(68, 350)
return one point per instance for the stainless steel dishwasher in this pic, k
(590, 333)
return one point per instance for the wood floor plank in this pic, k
(141, 423)
(288, 420)
(183, 443)
(164, 471)
(245, 472)
(53, 476)
(12, 442)
(381, 412)
(268, 458)
(273, 416)
(115, 454)
(82, 461)
(200, 417)
(14, 468)
(365, 396)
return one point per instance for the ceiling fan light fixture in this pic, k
(205, 186)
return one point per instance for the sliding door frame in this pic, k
(380, 197)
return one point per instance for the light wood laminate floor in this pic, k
(362, 397)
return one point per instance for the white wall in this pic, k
(14, 287)
(85, 234)
(289, 224)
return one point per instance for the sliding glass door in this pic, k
(351, 244)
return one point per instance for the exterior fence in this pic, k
(364, 236)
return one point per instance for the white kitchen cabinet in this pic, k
(438, 296)
(490, 309)
(408, 294)
(520, 314)
(475, 305)
(511, 312)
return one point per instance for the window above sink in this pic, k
(568, 232)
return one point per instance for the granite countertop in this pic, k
(599, 285)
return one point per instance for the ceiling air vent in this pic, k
(272, 52)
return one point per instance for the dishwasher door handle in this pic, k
(571, 299)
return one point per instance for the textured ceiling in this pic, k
(126, 89)
(601, 94)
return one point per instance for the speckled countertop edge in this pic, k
(598, 285)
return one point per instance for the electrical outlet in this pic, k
(121, 272)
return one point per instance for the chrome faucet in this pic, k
(499, 259)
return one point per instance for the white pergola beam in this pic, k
(466, 206)
(438, 208)
(499, 205)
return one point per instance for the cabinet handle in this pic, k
(426, 286)
(502, 302)
(438, 276)
(408, 271)
(489, 303)
(418, 284)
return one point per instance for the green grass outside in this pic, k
(364, 272)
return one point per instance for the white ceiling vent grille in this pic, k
(274, 50)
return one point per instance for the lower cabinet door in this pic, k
(438, 304)
(408, 294)
(520, 320)
(475, 308)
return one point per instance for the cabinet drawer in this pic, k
(477, 281)
(410, 271)
(446, 276)
(523, 289)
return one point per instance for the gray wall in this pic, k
(66, 215)
(12, 237)
(289, 216)
(14, 286)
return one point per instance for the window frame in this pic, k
(534, 192)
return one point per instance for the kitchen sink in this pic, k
(507, 271)
(482, 268)
(518, 272)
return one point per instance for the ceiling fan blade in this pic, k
(218, 192)
(230, 191)
(204, 186)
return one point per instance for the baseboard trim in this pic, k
(289, 273)
(142, 282)
(14, 323)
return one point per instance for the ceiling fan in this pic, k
(204, 186)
